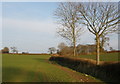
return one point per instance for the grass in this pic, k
(33, 68)
(103, 56)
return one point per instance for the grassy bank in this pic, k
(106, 71)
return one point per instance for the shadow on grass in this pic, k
(12, 74)
(9, 73)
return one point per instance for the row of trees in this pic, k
(65, 50)
(100, 19)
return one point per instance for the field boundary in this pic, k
(106, 71)
(25, 54)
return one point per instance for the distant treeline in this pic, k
(113, 51)
(80, 49)
(28, 53)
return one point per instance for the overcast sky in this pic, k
(30, 26)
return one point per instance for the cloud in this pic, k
(29, 25)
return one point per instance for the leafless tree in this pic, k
(61, 46)
(111, 49)
(14, 49)
(68, 18)
(51, 50)
(100, 19)
(104, 41)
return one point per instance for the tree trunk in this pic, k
(74, 42)
(74, 48)
(98, 49)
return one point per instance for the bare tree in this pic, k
(68, 18)
(61, 46)
(51, 50)
(65, 50)
(14, 49)
(111, 49)
(100, 19)
(104, 41)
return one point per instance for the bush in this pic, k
(5, 50)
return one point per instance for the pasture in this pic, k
(37, 68)
(103, 56)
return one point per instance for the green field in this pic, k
(103, 56)
(37, 68)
